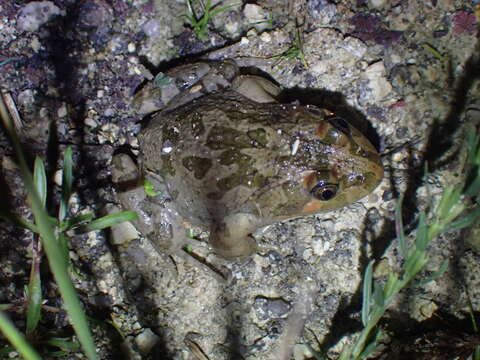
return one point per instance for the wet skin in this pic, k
(232, 164)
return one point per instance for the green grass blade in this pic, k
(40, 180)
(316, 355)
(67, 182)
(367, 293)
(17, 339)
(222, 9)
(62, 244)
(109, 220)
(34, 296)
(76, 220)
(378, 297)
(149, 188)
(445, 202)
(433, 51)
(473, 141)
(441, 270)
(391, 286)
(473, 189)
(466, 220)
(421, 241)
(17, 220)
(63, 343)
(402, 242)
(49, 241)
(369, 349)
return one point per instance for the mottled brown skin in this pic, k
(233, 165)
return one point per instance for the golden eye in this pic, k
(324, 191)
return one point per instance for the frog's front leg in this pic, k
(232, 238)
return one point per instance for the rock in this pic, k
(93, 14)
(377, 86)
(124, 232)
(152, 28)
(268, 308)
(146, 341)
(35, 14)
(256, 16)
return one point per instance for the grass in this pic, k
(54, 240)
(295, 51)
(200, 22)
(458, 208)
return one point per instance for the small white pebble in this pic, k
(133, 60)
(244, 41)
(90, 122)
(146, 341)
(397, 157)
(167, 149)
(195, 88)
(131, 47)
(62, 111)
(266, 37)
(295, 146)
(57, 177)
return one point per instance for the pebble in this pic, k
(152, 28)
(146, 341)
(271, 308)
(93, 14)
(121, 233)
(378, 85)
(256, 16)
(377, 4)
(35, 14)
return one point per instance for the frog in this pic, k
(233, 159)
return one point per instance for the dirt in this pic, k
(407, 71)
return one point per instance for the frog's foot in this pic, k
(231, 237)
(157, 219)
(256, 88)
(183, 84)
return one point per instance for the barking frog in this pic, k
(233, 160)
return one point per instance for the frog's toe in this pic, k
(231, 237)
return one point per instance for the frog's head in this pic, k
(353, 170)
(332, 165)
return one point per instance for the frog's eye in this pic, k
(324, 191)
(340, 124)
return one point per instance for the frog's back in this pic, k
(224, 153)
